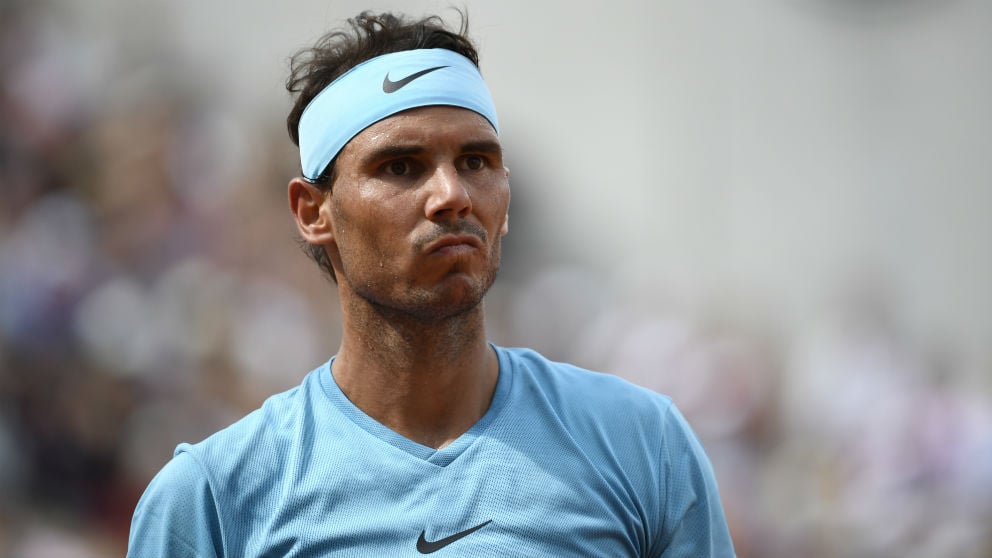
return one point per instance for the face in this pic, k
(417, 211)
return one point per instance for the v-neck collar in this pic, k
(439, 457)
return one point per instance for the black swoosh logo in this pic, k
(389, 86)
(428, 547)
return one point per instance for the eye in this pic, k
(399, 167)
(474, 162)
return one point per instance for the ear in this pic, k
(505, 227)
(313, 219)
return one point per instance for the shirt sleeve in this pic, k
(176, 516)
(694, 525)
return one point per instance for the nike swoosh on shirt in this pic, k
(428, 547)
(389, 86)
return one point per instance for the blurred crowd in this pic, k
(151, 292)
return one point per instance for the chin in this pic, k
(457, 295)
(453, 304)
(432, 299)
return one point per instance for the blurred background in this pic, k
(776, 212)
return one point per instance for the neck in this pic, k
(429, 380)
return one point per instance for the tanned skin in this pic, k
(412, 225)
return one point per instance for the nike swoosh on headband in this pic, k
(389, 86)
(353, 101)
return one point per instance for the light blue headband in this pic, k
(384, 86)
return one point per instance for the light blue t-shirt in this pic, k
(565, 462)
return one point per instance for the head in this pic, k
(404, 195)
(369, 36)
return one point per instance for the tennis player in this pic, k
(419, 436)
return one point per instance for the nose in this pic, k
(448, 197)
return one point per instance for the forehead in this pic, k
(424, 126)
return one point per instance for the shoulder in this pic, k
(208, 488)
(241, 464)
(602, 412)
(604, 408)
(633, 433)
(177, 514)
(262, 431)
(566, 385)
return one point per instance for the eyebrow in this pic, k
(483, 146)
(395, 151)
(391, 152)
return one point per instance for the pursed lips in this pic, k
(454, 244)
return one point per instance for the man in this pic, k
(419, 436)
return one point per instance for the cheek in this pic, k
(367, 232)
(357, 215)
(351, 235)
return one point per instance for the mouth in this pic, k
(454, 244)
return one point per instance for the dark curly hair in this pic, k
(370, 35)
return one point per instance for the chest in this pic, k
(495, 500)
